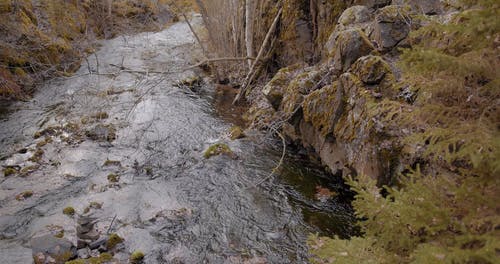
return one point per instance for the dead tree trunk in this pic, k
(249, 17)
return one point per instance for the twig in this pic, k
(248, 78)
(111, 225)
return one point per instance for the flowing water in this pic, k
(170, 201)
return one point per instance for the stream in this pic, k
(168, 200)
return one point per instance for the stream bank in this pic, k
(126, 148)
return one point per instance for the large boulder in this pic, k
(345, 47)
(392, 25)
(49, 249)
(322, 108)
(275, 89)
(371, 69)
(354, 15)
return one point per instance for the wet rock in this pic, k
(427, 7)
(373, 3)
(48, 247)
(236, 133)
(98, 243)
(102, 133)
(371, 69)
(392, 25)
(83, 253)
(346, 47)
(219, 149)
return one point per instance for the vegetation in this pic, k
(113, 240)
(9, 171)
(218, 149)
(70, 211)
(136, 257)
(442, 209)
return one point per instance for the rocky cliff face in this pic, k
(336, 106)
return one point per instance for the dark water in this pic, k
(170, 202)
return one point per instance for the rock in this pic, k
(274, 89)
(392, 25)
(300, 86)
(60, 249)
(355, 15)
(236, 132)
(91, 235)
(346, 47)
(102, 133)
(323, 108)
(81, 243)
(99, 242)
(371, 69)
(427, 7)
(83, 253)
(373, 3)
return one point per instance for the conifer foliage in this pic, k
(445, 209)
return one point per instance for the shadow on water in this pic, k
(324, 199)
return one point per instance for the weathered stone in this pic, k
(274, 89)
(392, 25)
(91, 235)
(346, 47)
(373, 3)
(99, 242)
(83, 253)
(427, 7)
(300, 86)
(322, 108)
(371, 69)
(355, 15)
(59, 249)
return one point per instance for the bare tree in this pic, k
(249, 17)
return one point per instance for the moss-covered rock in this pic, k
(323, 108)
(113, 178)
(236, 132)
(392, 25)
(9, 171)
(371, 69)
(274, 90)
(345, 47)
(218, 149)
(70, 211)
(354, 15)
(24, 195)
(113, 240)
(136, 257)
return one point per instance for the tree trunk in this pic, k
(249, 29)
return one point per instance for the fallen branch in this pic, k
(249, 77)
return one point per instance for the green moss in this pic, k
(60, 234)
(136, 257)
(113, 240)
(37, 156)
(217, 149)
(109, 162)
(236, 133)
(28, 169)
(113, 178)
(9, 171)
(70, 211)
(24, 195)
